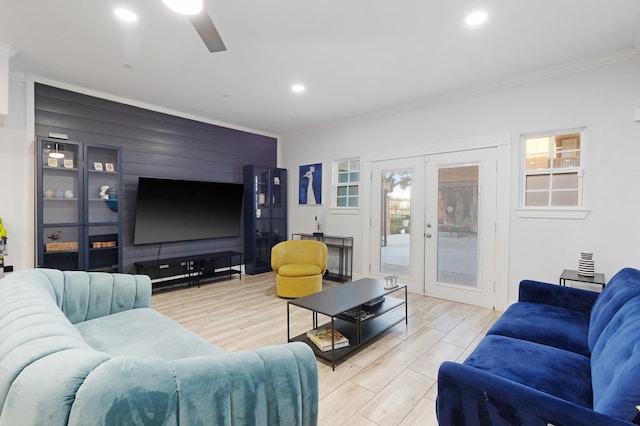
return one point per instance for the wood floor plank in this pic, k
(383, 370)
(421, 341)
(430, 361)
(397, 399)
(389, 382)
(343, 403)
(423, 414)
(330, 381)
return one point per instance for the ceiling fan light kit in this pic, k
(200, 20)
(185, 7)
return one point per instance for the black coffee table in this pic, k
(353, 297)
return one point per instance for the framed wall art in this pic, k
(310, 184)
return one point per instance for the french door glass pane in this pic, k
(458, 225)
(395, 226)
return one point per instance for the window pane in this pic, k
(560, 162)
(537, 145)
(564, 198)
(457, 225)
(537, 153)
(567, 150)
(537, 199)
(567, 142)
(565, 181)
(395, 229)
(537, 161)
(538, 182)
(556, 159)
(348, 176)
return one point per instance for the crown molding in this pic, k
(610, 58)
(581, 65)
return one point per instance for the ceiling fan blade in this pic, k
(204, 26)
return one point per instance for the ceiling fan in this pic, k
(200, 20)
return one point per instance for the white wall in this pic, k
(17, 180)
(603, 99)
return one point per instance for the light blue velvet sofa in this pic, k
(84, 348)
(560, 356)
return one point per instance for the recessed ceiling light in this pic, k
(298, 88)
(476, 18)
(126, 15)
(186, 7)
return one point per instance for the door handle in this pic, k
(428, 235)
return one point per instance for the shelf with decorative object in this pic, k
(265, 215)
(77, 205)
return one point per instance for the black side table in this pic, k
(571, 275)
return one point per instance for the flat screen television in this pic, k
(170, 210)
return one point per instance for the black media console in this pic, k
(191, 269)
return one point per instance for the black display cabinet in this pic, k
(78, 214)
(265, 215)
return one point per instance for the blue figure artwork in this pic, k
(310, 190)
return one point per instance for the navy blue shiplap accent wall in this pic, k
(154, 145)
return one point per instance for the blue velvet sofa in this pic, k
(560, 356)
(84, 348)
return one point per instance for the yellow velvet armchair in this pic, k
(299, 267)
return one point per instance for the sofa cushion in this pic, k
(299, 270)
(146, 333)
(557, 372)
(623, 286)
(615, 364)
(553, 326)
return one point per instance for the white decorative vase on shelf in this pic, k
(586, 266)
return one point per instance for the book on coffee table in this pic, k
(321, 337)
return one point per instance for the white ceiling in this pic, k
(354, 56)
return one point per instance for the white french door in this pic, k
(433, 224)
(397, 218)
(460, 242)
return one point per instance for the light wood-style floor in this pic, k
(392, 381)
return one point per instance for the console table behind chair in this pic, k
(192, 269)
(340, 246)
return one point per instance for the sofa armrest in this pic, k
(274, 385)
(88, 295)
(469, 396)
(574, 299)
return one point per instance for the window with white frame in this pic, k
(552, 169)
(347, 182)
